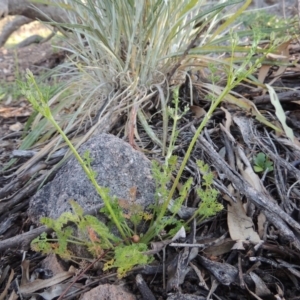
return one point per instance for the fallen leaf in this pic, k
(4, 293)
(280, 112)
(16, 127)
(197, 111)
(39, 284)
(238, 246)
(239, 224)
(12, 112)
(261, 290)
(58, 289)
(263, 72)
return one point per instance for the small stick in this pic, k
(242, 282)
(143, 288)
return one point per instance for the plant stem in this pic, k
(192, 143)
(166, 203)
(233, 80)
(90, 176)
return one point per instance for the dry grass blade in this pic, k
(280, 112)
(121, 56)
(4, 293)
(38, 284)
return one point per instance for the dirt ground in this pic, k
(14, 109)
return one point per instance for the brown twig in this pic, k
(79, 276)
(262, 200)
(283, 97)
(13, 26)
(23, 240)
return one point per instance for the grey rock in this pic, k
(108, 292)
(118, 166)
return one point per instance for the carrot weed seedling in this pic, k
(262, 163)
(235, 75)
(96, 236)
(124, 55)
(36, 97)
(93, 235)
(209, 206)
(164, 197)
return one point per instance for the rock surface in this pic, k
(118, 166)
(108, 292)
(51, 263)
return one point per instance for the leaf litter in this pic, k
(263, 221)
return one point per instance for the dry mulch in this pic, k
(244, 269)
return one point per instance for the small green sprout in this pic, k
(262, 163)
(209, 205)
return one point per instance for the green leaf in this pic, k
(260, 159)
(209, 205)
(78, 210)
(262, 163)
(126, 257)
(258, 169)
(269, 165)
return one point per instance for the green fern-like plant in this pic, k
(126, 257)
(39, 101)
(166, 208)
(95, 236)
(88, 226)
(209, 206)
(162, 175)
